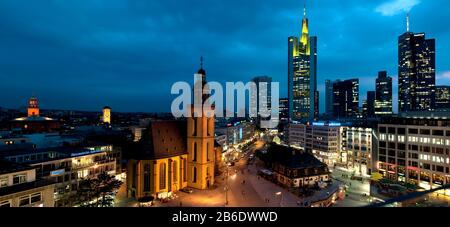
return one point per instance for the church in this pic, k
(174, 154)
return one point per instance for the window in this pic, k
(195, 152)
(184, 170)
(207, 152)
(5, 204)
(162, 176)
(35, 197)
(147, 178)
(3, 181)
(19, 179)
(24, 200)
(413, 131)
(194, 178)
(425, 132)
(175, 176)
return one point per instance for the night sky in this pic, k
(127, 54)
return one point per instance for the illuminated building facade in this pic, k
(284, 110)
(357, 147)
(106, 115)
(174, 155)
(416, 72)
(34, 123)
(19, 187)
(320, 138)
(66, 166)
(415, 151)
(383, 100)
(346, 99)
(442, 97)
(33, 107)
(302, 75)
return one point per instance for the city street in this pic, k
(255, 192)
(355, 189)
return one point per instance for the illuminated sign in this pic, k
(84, 153)
(57, 172)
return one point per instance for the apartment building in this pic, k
(19, 187)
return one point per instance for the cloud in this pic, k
(394, 7)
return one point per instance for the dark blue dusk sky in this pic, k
(127, 54)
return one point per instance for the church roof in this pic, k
(163, 139)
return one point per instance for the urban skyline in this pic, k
(85, 71)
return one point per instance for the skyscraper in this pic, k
(370, 104)
(416, 72)
(302, 74)
(284, 110)
(328, 97)
(346, 98)
(383, 100)
(442, 97)
(264, 97)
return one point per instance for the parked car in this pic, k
(187, 190)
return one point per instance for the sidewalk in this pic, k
(268, 190)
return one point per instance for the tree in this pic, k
(100, 189)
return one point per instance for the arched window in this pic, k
(184, 170)
(175, 175)
(162, 176)
(194, 133)
(194, 152)
(147, 178)
(207, 152)
(194, 178)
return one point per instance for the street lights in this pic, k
(226, 187)
(281, 197)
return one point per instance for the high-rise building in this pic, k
(370, 104)
(383, 99)
(284, 110)
(266, 98)
(328, 97)
(442, 97)
(346, 99)
(106, 115)
(302, 74)
(416, 72)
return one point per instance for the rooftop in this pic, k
(292, 157)
(11, 167)
(34, 119)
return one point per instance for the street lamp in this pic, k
(281, 197)
(226, 188)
